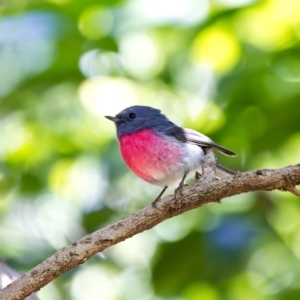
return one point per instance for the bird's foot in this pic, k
(155, 202)
(158, 198)
(198, 176)
(178, 191)
(177, 202)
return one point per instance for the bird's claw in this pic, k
(159, 197)
(155, 201)
(178, 191)
(198, 176)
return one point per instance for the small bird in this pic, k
(159, 151)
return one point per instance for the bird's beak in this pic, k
(114, 119)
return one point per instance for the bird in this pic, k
(161, 152)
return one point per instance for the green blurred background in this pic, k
(228, 68)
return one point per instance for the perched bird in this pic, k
(160, 152)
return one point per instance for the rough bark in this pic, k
(205, 190)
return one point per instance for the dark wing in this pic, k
(197, 138)
(176, 132)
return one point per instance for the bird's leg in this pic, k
(180, 187)
(159, 197)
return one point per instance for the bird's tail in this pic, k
(222, 172)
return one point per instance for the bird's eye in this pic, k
(131, 116)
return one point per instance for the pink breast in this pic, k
(149, 156)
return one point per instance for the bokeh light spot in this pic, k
(269, 24)
(95, 280)
(95, 22)
(140, 55)
(217, 47)
(201, 290)
(208, 120)
(181, 12)
(107, 96)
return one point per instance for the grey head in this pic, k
(138, 117)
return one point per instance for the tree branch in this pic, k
(196, 195)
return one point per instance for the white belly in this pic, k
(192, 160)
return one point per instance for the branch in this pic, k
(195, 195)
